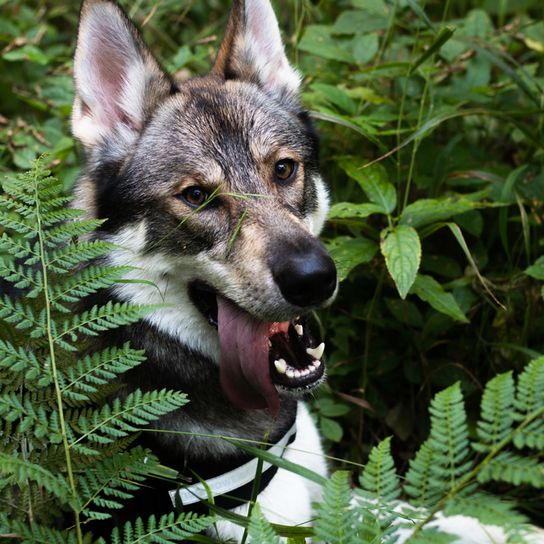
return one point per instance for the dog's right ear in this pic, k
(118, 82)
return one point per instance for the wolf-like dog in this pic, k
(211, 190)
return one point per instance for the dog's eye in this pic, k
(285, 170)
(195, 196)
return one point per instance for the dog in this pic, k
(211, 190)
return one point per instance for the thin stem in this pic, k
(52, 359)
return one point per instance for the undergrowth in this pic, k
(431, 117)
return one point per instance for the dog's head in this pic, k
(212, 187)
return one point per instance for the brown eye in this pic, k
(194, 196)
(285, 170)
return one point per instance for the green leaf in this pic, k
(536, 270)
(259, 529)
(443, 36)
(331, 429)
(337, 521)
(374, 182)
(431, 210)
(28, 53)
(318, 40)
(379, 476)
(348, 253)
(401, 248)
(345, 210)
(365, 48)
(429, 290)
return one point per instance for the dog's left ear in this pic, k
(252, 50)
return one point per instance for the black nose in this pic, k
(304, 272)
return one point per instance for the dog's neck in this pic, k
(195, 430)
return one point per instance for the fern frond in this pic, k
(21, 472)
(35, 533)
(169, 528)
(68, 231)
(99, 319)
(529, 400)
(379, 477)
(18, 248)
(444, 457)
(337, 519)
(514, 469)
(84, 378)
(124, 416)
(433, 536)
(67, 257)
(86, 282)
(488, 509)
(17, 360)
(22, 277)
(380, 487)
(18, 314)
(497, 409)
(9, 221)
(113, 479)
(260, 529)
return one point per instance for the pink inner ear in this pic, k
(108, 69)
(262, 24)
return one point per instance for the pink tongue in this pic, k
(244, 367)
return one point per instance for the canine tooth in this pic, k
(281, 366)
(317, 352)
(290, 373)
(299, 329)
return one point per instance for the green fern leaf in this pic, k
(444, 457)
(21, 472)
(488, 509)
(514, 469)
(35, 533)
(169, 528)
(125, 416)
(99, 319)
(260, 529)
(379, 477)
(497, 409)
(530, 401)
(19, 314)
(337, 519)
(432, 536)
(84, 378)
(115, 477)
(67, 257)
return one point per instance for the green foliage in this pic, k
(169, 528)
(259, 528)
(337, 519)
(442, 458)
(61, 437)
(431, 121)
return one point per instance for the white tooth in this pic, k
(281, 366)
(317, 363)
(316, 352)
(299, 329)
(297, 373)
(290, 373)
(305, 372)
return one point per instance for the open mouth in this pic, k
(257, 356)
